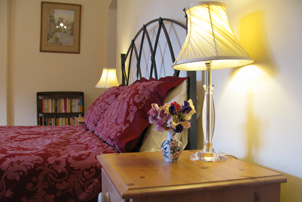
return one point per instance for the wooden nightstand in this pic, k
(147, 177)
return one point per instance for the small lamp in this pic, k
(209, 44)
(108, 79)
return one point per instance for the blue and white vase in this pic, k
(171, 148)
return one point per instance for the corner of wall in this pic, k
(4, 34)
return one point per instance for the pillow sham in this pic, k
(153, 139)
(100, 105)
(126, 118)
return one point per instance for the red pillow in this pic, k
(126, 118)
(100, 105)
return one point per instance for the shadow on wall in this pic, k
(253, 38)
(253, 127)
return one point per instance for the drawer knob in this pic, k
(103, 197)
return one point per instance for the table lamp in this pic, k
(108, 79)
(210, 44)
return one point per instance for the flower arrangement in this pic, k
(171, 116)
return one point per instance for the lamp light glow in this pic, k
(210, 44)
(108, 79)
(246, 79)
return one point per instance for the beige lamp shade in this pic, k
(209, 38)
(108, 79)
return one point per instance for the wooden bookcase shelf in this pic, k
(59, 108)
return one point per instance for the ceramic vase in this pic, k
(171, 148)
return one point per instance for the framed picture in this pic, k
(60, 27)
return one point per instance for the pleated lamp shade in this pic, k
(209, 38)
(108, 79)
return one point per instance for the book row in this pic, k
(62, 105)
(58, 121)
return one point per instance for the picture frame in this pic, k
(60, 27)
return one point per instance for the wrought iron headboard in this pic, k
(136, 52)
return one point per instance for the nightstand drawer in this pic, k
(109, 190)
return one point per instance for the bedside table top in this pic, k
(147, 172)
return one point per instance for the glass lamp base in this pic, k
(208, 156)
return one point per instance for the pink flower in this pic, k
(153, 113)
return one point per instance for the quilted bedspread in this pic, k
(50, 163)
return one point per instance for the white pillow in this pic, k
(153, 139)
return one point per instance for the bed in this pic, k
(58, 163)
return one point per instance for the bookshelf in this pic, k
(59, 108)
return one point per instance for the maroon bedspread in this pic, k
(50, 163)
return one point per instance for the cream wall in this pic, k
(258, 107)
(29, 70)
